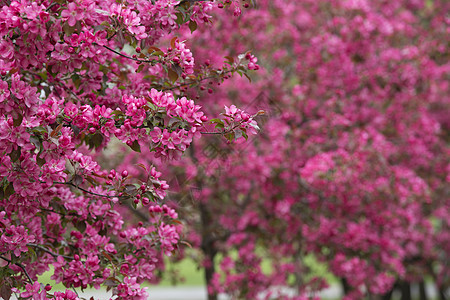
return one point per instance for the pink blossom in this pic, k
(72, 13)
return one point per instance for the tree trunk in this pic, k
(208, 248)
(345, 286)
(441, 292)
(405, 287)
(422, 291)
(388, 295)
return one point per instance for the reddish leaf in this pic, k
(172, 42)
(173, 76)
(57, 129)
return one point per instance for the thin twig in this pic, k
(128, 205)
(195, 81)
(136, 212)
(205, 132)
(51, 5)
(19, 265)
(226, 131)
(62, 85)
(126, 56)
(49, 252)
(84, 190)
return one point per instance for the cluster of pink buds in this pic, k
(182, 56)
(167, 211)
(183, 108)
(130, 19)
(239, 119)
(159, 186)
(252, 65)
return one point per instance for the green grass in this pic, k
(186, 269)
(190, 275)
(45, 279)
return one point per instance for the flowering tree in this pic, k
(77, 77)
(353, 163)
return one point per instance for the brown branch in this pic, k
(19, 265)
(129, 57)
(136, 212)
(51, 5)
(128, 205)
(84, 190)
(195, 81)
(49, 252)
(226, 131)
(62, 85)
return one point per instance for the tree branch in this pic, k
(20, 266)
(129, 57)
(49, 252)
(84, 190)
(195, 81)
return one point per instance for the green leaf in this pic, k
(193, 26)
(245, 135)
(15, 154)
(96, 140)
(135, 146)
(140, 68)
(117, 112)
(18, 120)
(157, 53)
(8, 190)
(180, 18)
(40, 161)
(230, 136)
(150, 196)
(81, 226)
(39, 129)
(216, 120)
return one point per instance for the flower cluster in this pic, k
(352, 169)
(69, 89)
